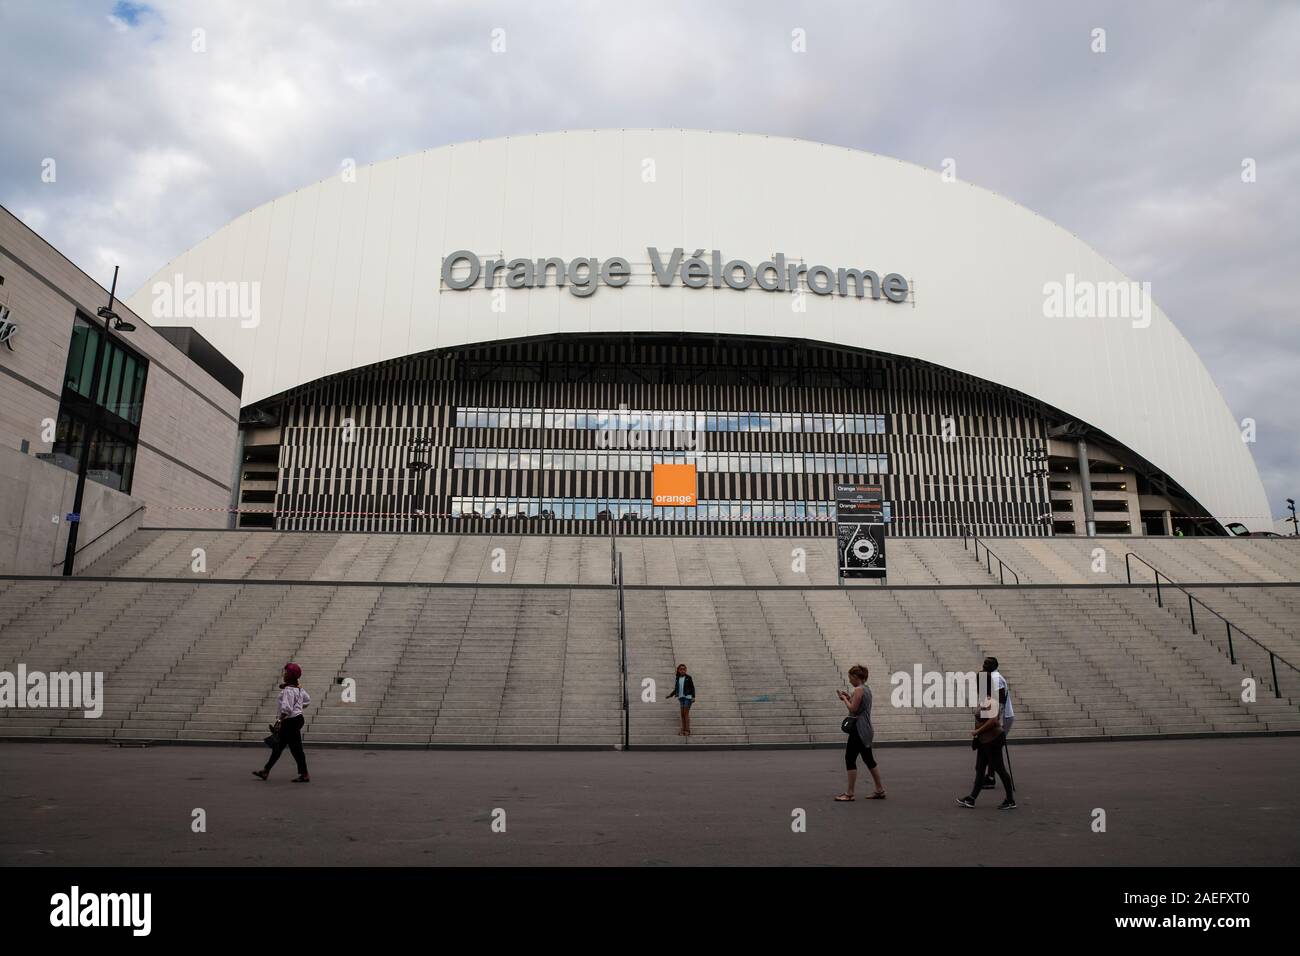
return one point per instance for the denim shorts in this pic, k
(686, 702)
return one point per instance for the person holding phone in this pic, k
(684, 691)
(861, 734)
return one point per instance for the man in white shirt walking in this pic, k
(1001, 691)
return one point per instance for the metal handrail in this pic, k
(989, 556)
(622, 652)
(114, 525)
(1192, 601)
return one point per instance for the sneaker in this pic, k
(966, 802)
(262, 774)
(1007, 804)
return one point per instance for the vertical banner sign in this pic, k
(674, 486)
(860, 530)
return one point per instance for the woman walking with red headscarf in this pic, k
(287, 729)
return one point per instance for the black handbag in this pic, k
(848, 723)
(272, 740)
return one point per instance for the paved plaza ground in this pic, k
(1177, 802)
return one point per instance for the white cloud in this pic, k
(1136, 150)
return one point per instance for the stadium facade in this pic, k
(513, 333)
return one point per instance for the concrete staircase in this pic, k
(519, 559)
(1082, 662)
(1269, 615)
(1185, 560)
(428, 665)
(512, 640)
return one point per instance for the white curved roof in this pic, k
(348, 274)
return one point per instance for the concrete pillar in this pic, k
(237, 479)
(1169, 523)
(1085, 487)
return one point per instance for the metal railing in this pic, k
(114, 525)
(622, 650)
(1229, 627)
(989, 556)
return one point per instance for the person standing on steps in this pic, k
(860, 734)
(684, 691)
(999, 688)
(287, 728)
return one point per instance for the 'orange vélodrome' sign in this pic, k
(674, 485)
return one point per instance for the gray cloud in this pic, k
(1137, 150)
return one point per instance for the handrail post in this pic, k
(1001, 578)
(1192, 601)
(622, 640)
(1128, 568)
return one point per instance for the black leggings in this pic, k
(854, 747)
(291, 737)
(990, 759)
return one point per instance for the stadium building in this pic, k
(512, 334)
(623, 373)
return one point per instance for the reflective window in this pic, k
(788, 463)
(669, 420)
(631, 509)
(103, 396)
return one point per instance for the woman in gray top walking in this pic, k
(861, 734)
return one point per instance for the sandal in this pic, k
(878, 795)
(845, 798)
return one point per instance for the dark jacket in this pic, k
(689, 687)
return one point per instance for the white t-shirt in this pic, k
(1000, 684)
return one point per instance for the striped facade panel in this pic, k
(952, 450)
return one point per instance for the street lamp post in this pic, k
(1295, 528)
(88, 427)
(420, 447)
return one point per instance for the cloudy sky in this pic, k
(1138, 150)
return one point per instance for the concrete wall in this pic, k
(35, 497)
(189, 423)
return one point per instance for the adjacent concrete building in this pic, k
(162, 418)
